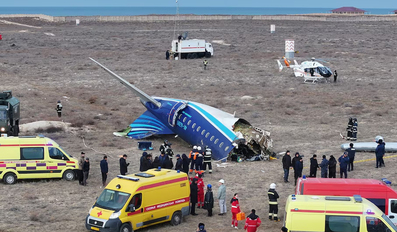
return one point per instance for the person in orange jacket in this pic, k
(200, 193)
(235, 210)
(252, 222)
(192, 159)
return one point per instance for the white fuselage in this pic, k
(303, 70)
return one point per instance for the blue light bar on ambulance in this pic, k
(337, 198)
(386, 181)
(128, 178)
(357, 198)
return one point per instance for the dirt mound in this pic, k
(44, 125)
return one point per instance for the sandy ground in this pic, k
(43, 68)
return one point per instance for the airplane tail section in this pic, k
(142, 95)
(280, 67)
(144, 126)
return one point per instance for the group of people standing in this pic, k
(346, 163)
(352, 129)
(147, 162)
(327, 167)
(207, 202)
(198, 162)
(200, 159)
(295, 163)
(84, 169)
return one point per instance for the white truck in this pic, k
(192, 48)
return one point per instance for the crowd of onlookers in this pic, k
(328, 167)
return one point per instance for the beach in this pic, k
(50, 62)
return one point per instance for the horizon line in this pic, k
(201, 7)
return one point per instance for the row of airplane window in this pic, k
(202, 131)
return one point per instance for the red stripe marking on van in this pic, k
(167, 204)
(323, 211)
(162, 205)
(3, 165)
(133, 213)
(70, 162)
(52, 167)
(344, 212)
(192, 47)
(162, 183)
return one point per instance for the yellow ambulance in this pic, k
(334, 214)
(139, 200)
(34, 157)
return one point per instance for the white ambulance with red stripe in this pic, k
(34, 157)
(334, 214)
(191, 48)
(140, 200)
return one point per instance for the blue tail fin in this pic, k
(146, 125)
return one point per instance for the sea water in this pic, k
(124, 11)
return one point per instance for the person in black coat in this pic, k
(349, 129)
(86, 170)
(162, 159)
(354, 130)
(287, 163)
(332, 167)
(104, 169)
(351, 153)
(298, 168)
(179, 163)
(142, 161)
(294, 161)
(123, 165)
(209, 200)
(343, 163)
(168, 163)
(379, 153)
(156, 162)
(296, 158)
(193, 196)
(324, 167)
(147, 163)
(313, 166)
(185, 163)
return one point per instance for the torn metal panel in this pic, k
(252, 141)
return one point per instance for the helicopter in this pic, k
(311, 71)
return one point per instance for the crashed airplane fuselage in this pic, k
(196, 123)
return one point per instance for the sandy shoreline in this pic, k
(192, 17)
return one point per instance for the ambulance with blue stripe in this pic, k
(140, 200)
(34, 157)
